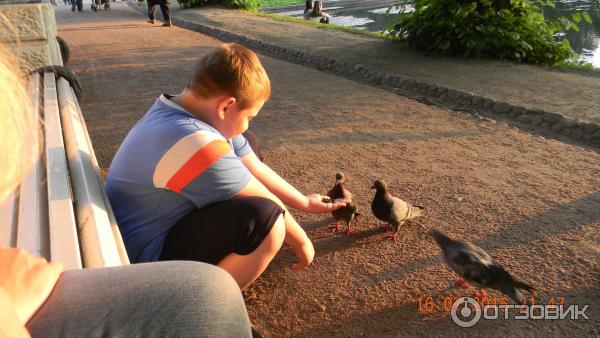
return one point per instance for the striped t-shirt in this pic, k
(169, 164)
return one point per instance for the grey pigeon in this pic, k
(346, 213)
(477, 267)
(390, 209)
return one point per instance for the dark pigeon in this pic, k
(347, 213)
(477, 267)
(390, 209)
(255, 144)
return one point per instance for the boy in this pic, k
(185, 184)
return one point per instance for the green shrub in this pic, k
(242, 4)
(513, 30)
(192, 3)
(238, 4)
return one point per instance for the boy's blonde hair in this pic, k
(17, 121)
(234, 70)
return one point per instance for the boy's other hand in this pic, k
(321, 204)
(305, 254)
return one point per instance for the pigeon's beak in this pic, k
(373, 187)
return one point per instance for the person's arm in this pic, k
(26, 283)
(295, 236)
(11, 326)
(285, 191)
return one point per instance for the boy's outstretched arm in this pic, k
(295, 236)
(285, 191)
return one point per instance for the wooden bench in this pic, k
(61, 211)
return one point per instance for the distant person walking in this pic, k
(164, 8)
(76, 5)
(316, 12)
(308, 9)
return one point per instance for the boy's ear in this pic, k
(224, 105)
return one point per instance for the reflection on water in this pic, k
(371, 15)
(586, 42)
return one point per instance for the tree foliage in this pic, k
(513, 30)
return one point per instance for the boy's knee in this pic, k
(277, 234)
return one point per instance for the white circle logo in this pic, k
(465, 312)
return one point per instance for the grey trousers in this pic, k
(166, 299)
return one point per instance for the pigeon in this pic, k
(392, 210)
(346, 213)
(255, 144)
(476, 266)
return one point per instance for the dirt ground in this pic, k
(532, 202)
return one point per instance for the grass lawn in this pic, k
(278, 3)
(317, 24)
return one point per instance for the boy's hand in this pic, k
(305, 253)
(321, 204)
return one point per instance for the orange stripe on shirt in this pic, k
(197, 164)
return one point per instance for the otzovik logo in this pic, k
(466, 312)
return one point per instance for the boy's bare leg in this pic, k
(245, 269)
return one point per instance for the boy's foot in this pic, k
(168, 24)
(152, 21)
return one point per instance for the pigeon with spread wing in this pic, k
(476, 266)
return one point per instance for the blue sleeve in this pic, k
(241, 146)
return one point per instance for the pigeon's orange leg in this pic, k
(394, 237)
(335, 226)
(463, 283)
(349, 230)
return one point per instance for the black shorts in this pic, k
(210, 233)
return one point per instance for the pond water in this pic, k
(371, 15)
(586, 42)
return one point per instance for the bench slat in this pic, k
(64, 245)
(111, 215)
(8, 220)
(96, 238)
(32, 229)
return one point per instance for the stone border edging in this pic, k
(576, 129)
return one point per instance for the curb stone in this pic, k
(502, 108)
(588, 132)
(488, 103)
(477, 101)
